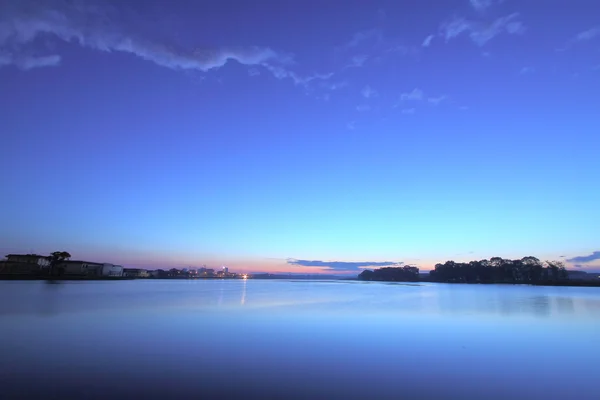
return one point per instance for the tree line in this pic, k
(495, 270)
(406, 273)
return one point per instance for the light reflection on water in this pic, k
(297, 339)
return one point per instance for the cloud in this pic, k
(89, 28)
(351, 125)
(368, 92)
(284, 73)
(415, 95)
(481, 32)
(357, 61)
(334, 85)
(427, 41)
(27, 23)
(409, 111)
(585, 259)
(373, 46)
(482, 5)
(589, 34)
(437, 100)
(363, 108)
(342, 265)
(362, 37)
(27, 62)
(253, 72)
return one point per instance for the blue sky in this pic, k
(257, 135)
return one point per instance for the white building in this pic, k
(135, 273)
(41, 261)
(87, 268)
(112, 270)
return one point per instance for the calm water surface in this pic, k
(297, 340)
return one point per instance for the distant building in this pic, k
(23, 264)
(135, 273)
(41, 261)
(92, 269)
(112, 270)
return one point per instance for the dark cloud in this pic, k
(104, 27)
(100, 28)
(585, 259)
(342, 265)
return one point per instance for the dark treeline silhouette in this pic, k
(500, 270)
(528, 270)
(394, 274)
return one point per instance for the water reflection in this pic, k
(539, 305)
(565, 305)
(244, 283)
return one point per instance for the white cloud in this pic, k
(368, 92)
(480, 5)
(284, 73)
(427, 41)
(589, 34)
(409, 111)
(415, 95)
(360, 38)
(253, 72)
(455, 27)
(363, 108)
(334, 85)
(480, 32)
(437, 100)
(357, 61)
(27, 62)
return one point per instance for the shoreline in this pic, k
(128, 278)
(94, 278)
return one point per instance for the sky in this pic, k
(300, 136)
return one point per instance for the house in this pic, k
(91, 269)
(23, 264)
(41, 261)
(135, 273)
(79, 268)
(112, 270)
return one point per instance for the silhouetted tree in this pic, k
(56, 258)
(366, 275)
(406, 273)
(498, 270)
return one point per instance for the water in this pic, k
(297, 340)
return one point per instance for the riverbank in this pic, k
(99, 278)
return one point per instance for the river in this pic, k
(297, 340)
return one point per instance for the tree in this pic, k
(499, 270)
(55, 259)
(556, 270)
(366, 275)
(406, 273)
